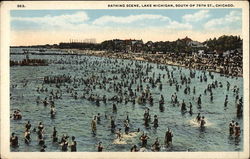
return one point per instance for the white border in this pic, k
(5, 41)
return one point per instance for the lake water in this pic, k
(74, 116)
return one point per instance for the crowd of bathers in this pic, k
(136, 86)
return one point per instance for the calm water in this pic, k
(74, 115)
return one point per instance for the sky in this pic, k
(33, 27)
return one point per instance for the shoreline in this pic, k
(157, 59)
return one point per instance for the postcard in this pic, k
(125, 79)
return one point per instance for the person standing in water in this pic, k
(144, 138)
(98, 118)
(190, 108)
(54, 136)
(28, 125)
(183, 106)
(73, 144)
(41, 127)
(226, 101)
(65, 145)
(199, 101)
(156, 145)
(168, 137)
(43, 148)
(93, 125)
(114, 108)
(13, 140)
(202, 122)
(112, 122)
(198, 118)
(237, 130)
(155, 122)
(27, 138)
(100, 147)
(134, 149)
(231, 127)
(119, 134)
(126, 125)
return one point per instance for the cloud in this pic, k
(129, 19)
(63, 21)
(202, 14)
(179, 26)
(55, 29)
(230, 20)
(132, 19)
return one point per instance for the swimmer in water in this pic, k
(98, 118)
(126, 125)
(226, 101)
(231, 127)
(168, 137)
(190, 108)
(13, 140)
(54, 136)
(65, 146)
(183, 106)
(114, 108)
(43, 148)
(155, 122)
(41, 127)
(27, 138)
(198, 118)
(93, 125)
(73, 144)
(100, 147)
(28, 125)
(156, 145)
(134, 149)
(237, 130)
(119, 134)
(112, 124)
(144, 138)
(202, 122)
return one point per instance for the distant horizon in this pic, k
(121, 39)
(41, 27)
